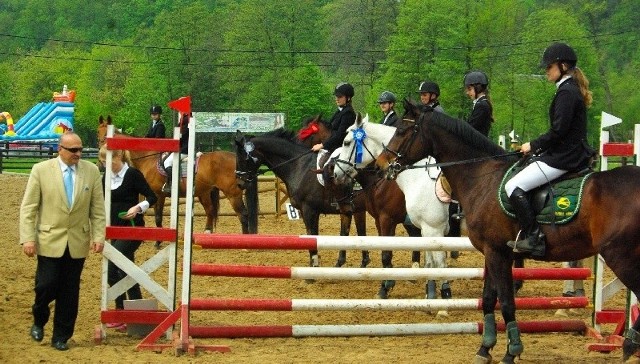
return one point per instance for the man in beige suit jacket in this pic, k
(61, 230)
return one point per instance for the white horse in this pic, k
(424, 209)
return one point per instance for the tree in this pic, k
(304, 95)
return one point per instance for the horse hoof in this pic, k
(365, 263)
(561, 313)
(482, 360)
(383, 293)
(442, 314)
(340, 263)
(309, 281)
(632, 360)
(314, 261)
(455, 254)
(414, 265)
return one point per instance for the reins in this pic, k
(464, 161)
(250, 176)
(146, 156)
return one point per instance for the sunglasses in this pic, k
(72, 150)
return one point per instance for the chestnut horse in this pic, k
(215, 173)
(382, 199)
(607, 223)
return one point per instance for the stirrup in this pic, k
(527, 247)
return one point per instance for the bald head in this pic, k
(70, 148)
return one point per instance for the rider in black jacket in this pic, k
(343, 118)
(387, 101)
(476, 85)
(563, 148)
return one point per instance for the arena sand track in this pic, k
(16, 290)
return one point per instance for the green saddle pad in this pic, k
(565, 204)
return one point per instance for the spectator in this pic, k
(61, 219)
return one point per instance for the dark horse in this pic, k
(215, 173)
(295, 164)
(607, 223)
(315, 130)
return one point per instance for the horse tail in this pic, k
(215, 205)
(251, 196)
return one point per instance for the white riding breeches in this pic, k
(534, 175)
(169, 161)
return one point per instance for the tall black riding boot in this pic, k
(167, 185)
(533, 240)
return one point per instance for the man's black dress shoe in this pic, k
(60, 345)
(37, 333)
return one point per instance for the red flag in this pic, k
(182, 105)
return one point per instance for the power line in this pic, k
(321, 52)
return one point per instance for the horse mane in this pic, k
(470, 136)
(281, 133)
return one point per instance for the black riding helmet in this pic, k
(558, 52)
(476, 78)
(155, 109)
(386, 96)
(344, 89)
(428, 86)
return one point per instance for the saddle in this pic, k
(554, 203)
(183, 165)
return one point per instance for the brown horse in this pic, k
(607, 223)
(381, 198)
(215, 173)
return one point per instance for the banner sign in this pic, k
(217, 122)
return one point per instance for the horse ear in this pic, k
(100, 119)
(239, 136)
(108, 119)
(407, 104)
(358, 119)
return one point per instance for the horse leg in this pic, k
(631, 343)
(628, 271)
(386, 228)
(498, 265)
(415, 255)
(311, 220)
(489, 333)
(345, 224)
(455, 218)
(207, 205)
(518, 283)
(157, 212)
(386, 285)
(571, 288)
(361, 230)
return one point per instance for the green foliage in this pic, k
(122, 56)
(304, 95)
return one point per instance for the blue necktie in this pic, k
(68, 185)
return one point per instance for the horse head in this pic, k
(314, 130)
(363, 142)
(402, 148)
(246, 163)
